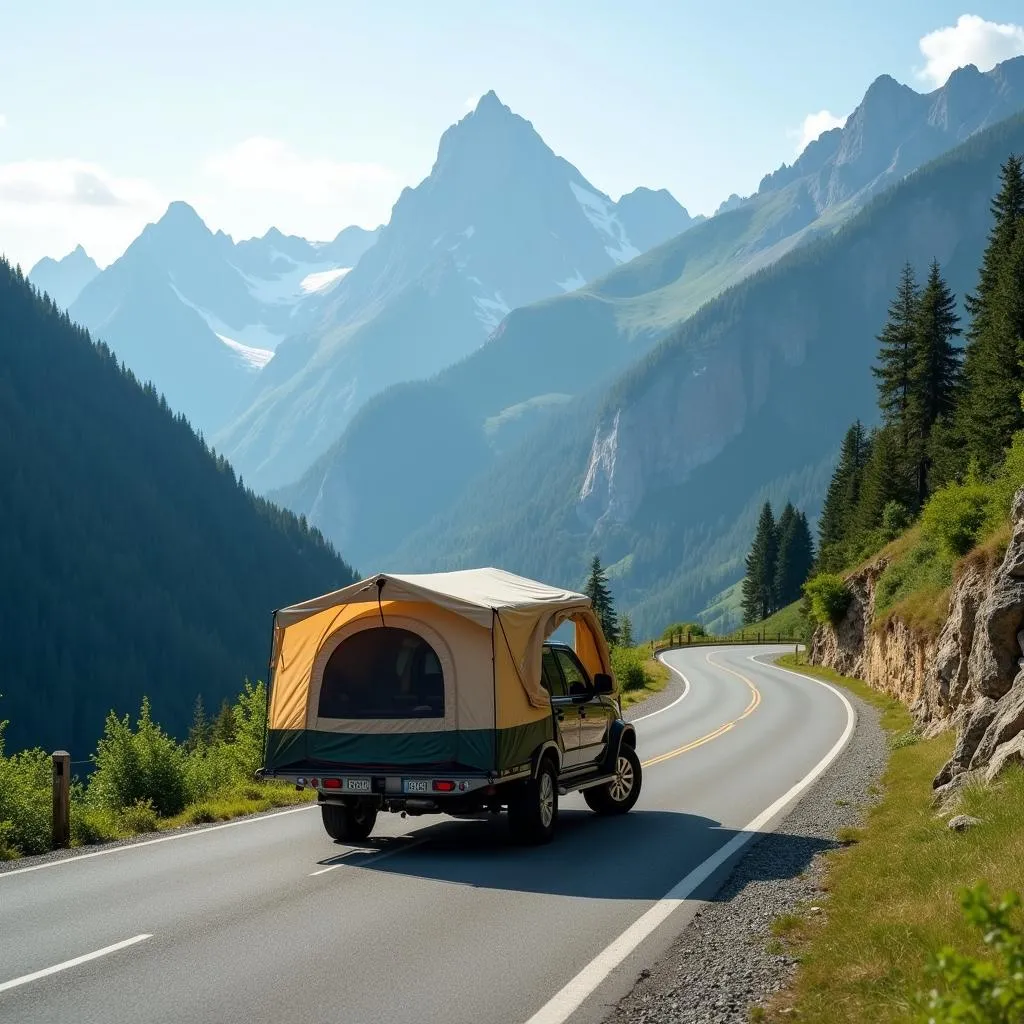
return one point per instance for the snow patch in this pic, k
(254, 358)
(601, 213)
(253, 342)
(570, 284)
(491, 312)
(469, 232)
(290, 287)
(320, 279)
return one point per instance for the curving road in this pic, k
(434, 919)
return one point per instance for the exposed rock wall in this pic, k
(969, 677)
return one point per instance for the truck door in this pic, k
(595, 715)
(566, 711)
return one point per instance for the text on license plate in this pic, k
(356, 785)
(416, 785)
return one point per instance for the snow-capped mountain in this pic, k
(65, 278)
(501, 221)
(200, 315)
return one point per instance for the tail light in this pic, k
(443, 786)
(332, 784)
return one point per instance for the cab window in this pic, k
(551, 675)
(575, 678)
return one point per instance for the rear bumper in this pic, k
(392, 786)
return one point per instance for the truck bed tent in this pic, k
(429, 669)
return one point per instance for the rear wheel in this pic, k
(534, 811)
(619, 795)
(348, 823)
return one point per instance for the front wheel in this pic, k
(348, 823)
(534, 811)
(619, 795)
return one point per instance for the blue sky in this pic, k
(314, 116)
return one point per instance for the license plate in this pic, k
(416, 786)
(355, 785)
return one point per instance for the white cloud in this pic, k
(49, 206)
(972, 40)
(815, 125)
(270, 165)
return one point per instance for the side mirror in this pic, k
(603, 683)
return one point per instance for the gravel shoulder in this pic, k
(727, 961)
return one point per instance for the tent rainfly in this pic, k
(416, 670)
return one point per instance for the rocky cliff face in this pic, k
(970, 677)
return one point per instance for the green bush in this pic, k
(140, 817)
(695, 629)
(975, 991)
(830, 597)
(896, 519)
(140, 764)
(1007, 482)
(629, 669)
(955, 515)
(92, 823)
(25, 801)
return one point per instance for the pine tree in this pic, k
(224, 726)
(989, 413)
(895, 364)
(841, 500)
(625, 630)
(884, 481)
(601, 601)
(759, 582)
(795, 556)
(935, 376)
(200, 732)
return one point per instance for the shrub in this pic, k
(250, 713)
(695, 629)
(144, 764)
(25, 801)
(955, 514)
(628, 666)
(92, 823)
(987, 991)
(1006, 483)
(896, 518)
(830, 597)
(140, 817)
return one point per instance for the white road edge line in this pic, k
(685, 693)
(153, 842)
(47, 971)
(567, 1001)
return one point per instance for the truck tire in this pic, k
(349, 823)
(534, 810)
(619, 795)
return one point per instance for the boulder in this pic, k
(975, 724)
(1006, 724)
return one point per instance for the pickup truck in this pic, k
(591, 749)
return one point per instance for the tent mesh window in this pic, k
(383, 672)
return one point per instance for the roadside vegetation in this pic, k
(930, 489)
(143, 780)
(916, 927)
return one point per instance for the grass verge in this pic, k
(657, 675)
(236, 803)
(893, 890)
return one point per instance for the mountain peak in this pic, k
(180, 221)
(490, 104)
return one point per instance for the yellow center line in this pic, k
(755, 700)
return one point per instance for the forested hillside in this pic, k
(134, 561)
(745, 403)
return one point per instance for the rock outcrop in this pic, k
(969, 677)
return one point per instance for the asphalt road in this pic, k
(433, 919)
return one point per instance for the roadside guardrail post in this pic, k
(61, 799)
